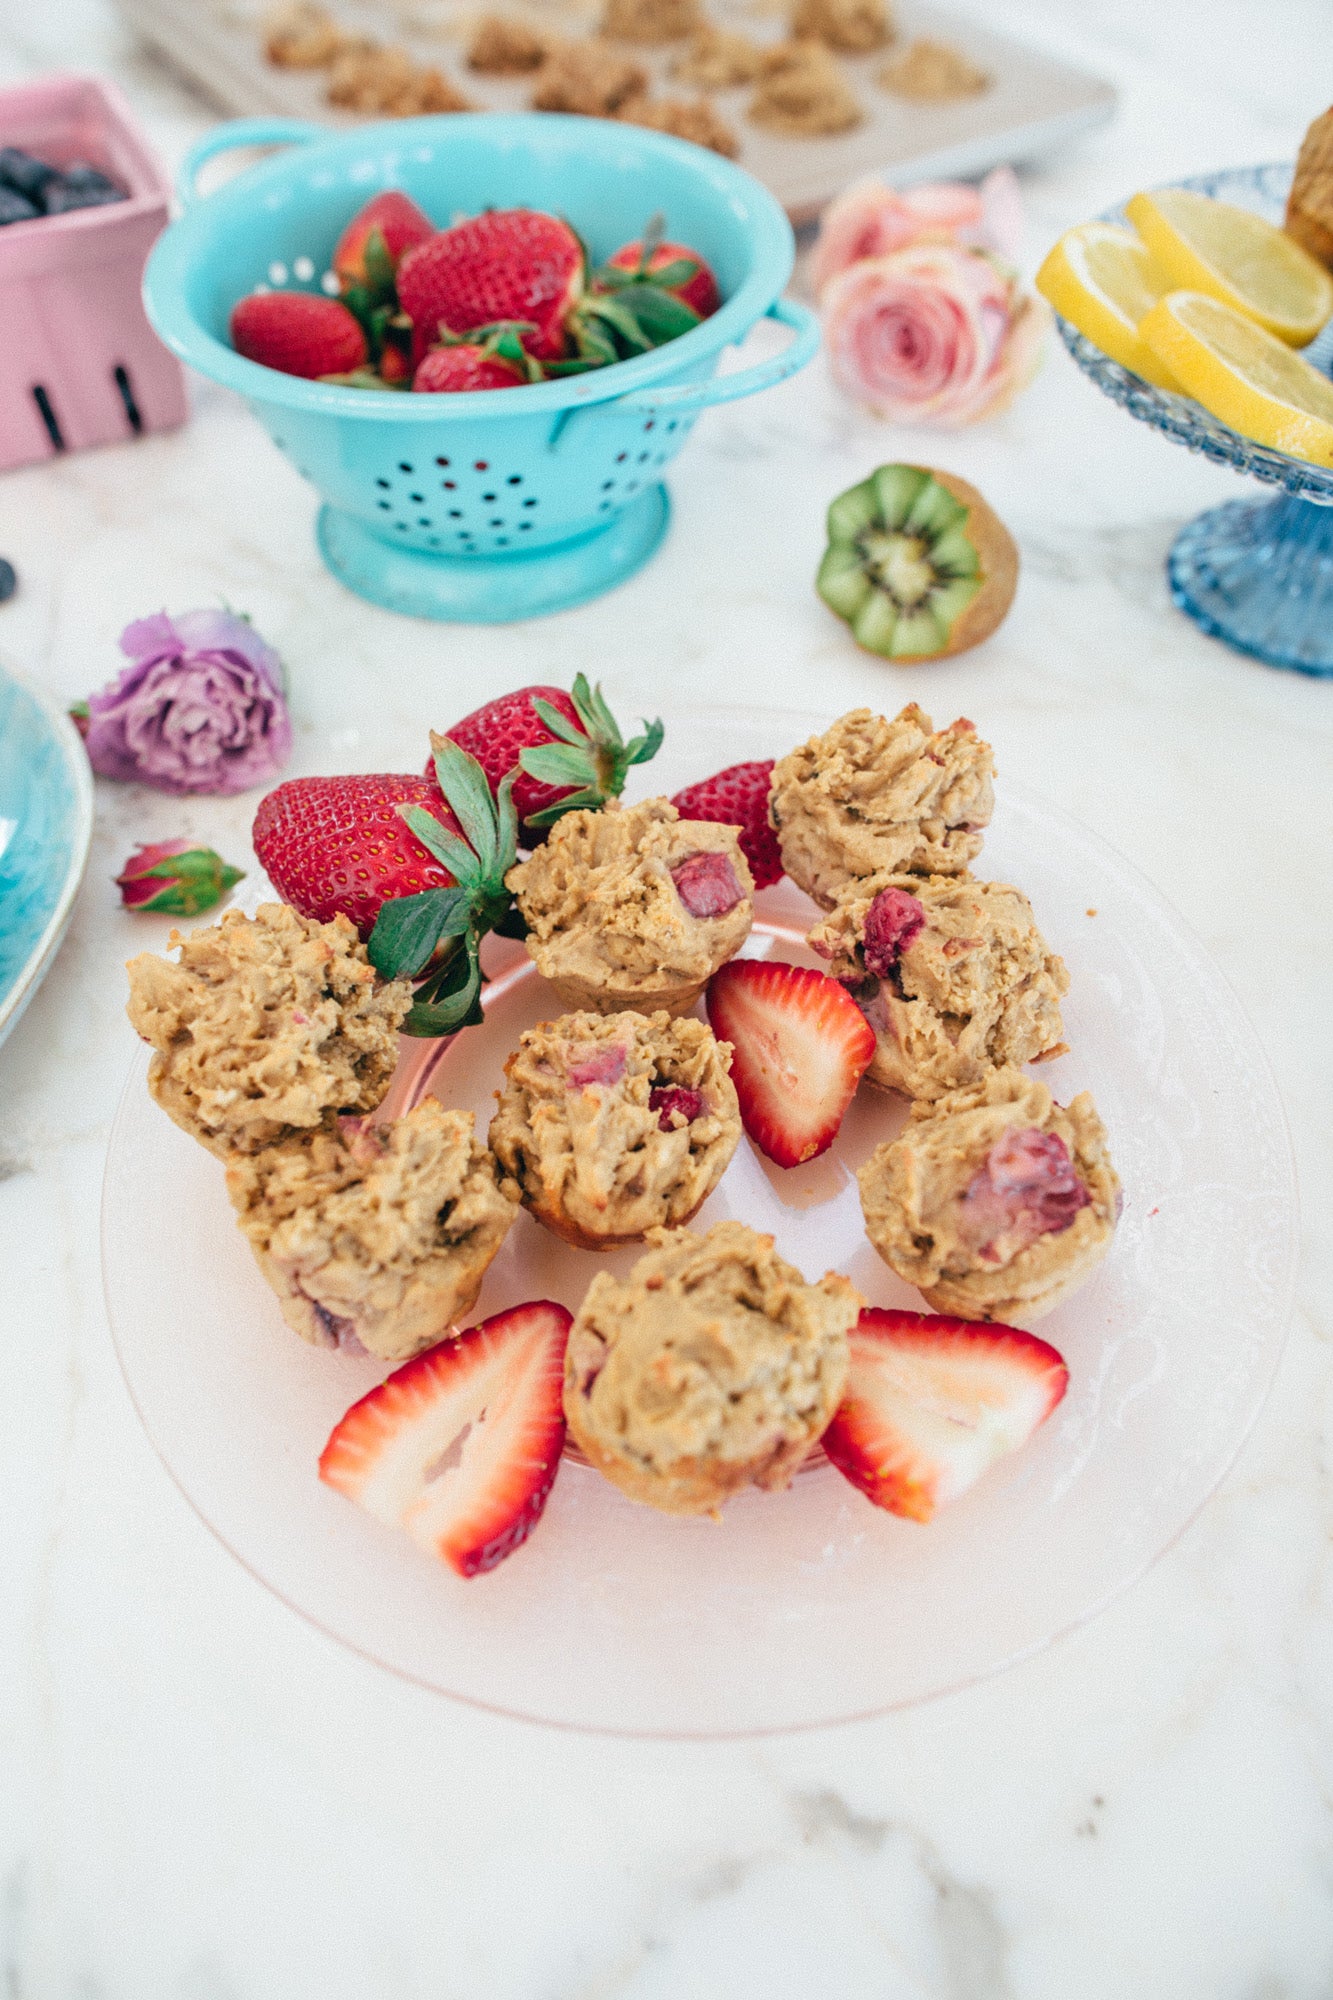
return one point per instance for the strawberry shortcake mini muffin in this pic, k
(634, 907)
(615, 1124)
(265, 1026)
(873, 797)
(996, 1202)
(375, 1235)
(712, 1366)
(953, 976)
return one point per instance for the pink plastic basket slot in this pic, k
(79, 363)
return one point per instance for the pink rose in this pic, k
(932, 334)
(869, 219)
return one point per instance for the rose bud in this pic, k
(173, 878)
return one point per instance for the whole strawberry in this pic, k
(568, 749)
(399, 224)
(676, 268)
(330, 844)
(465, 366)
(738, 797)
(298, 333)
(508, 264)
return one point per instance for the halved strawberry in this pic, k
(932, 1402)
(801, 1047)
(501, 1382)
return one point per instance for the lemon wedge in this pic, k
(1232, 255)
(1243, 375)
(1102, 279)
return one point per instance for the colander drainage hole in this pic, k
(455, 513)
(651, 424)
(403, 465)
(603, 507)
(490, 498)
(386, 506)
(529, 503)
(672, 425)
(643, 458)
(423, 520)
(607, 485)
(449, 485)
(417, 499)
(516, 479)
(495, 524)
(482, 465)
(502, 541)
(442, 461)
(384, 483)
(524, 527)
(621, 456)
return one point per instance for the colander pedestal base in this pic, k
(494, 589)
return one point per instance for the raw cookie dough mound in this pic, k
(634, 906)
(266, 1024)
(933, 73)
(873, 797)
(379, 1234)
(854, 27)
(503, 45)
(650, 21)
(615, 1124)
(588, 77)
(953, 976)
(717, 58)
(712, 1366)
(996, 1202)
(803, 94)
(695, 120)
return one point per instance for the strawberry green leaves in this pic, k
(438, 933)
(594, 759)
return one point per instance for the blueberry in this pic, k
(9, 582)
(79, 174)
(13, 207)
(20, 171)
(61, 197)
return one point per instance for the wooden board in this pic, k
(1032, 103)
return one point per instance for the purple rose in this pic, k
(199, 709)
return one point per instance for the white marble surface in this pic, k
(202, 1798)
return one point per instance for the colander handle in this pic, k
(742, 381)
(241, 132)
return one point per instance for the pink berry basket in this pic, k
(79, 363)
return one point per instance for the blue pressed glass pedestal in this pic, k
(1257, 574)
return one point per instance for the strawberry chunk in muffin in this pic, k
(615, 1124)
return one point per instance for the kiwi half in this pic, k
(917, 564)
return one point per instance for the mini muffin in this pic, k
(377, 1235)
(634, 906)
(712, 1366)
(996, 1202)
(953, 976)
(265, 1025)
(873, 797)
(615, 1124)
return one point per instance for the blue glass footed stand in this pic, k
(1257, 574)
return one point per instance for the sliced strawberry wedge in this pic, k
(932, 1402)
(501, 1382)
(801, 1047)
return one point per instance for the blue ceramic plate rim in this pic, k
(16, 996)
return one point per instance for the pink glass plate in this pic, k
(807, 1607)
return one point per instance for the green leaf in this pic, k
(506, 828)
(678, 272)
(559, 725)
(467, 789)
(613, 278)
(556, 763)
(622, 321)
(642, 749)
(591, 796)
(379, 265)
(455, 854)
(556, 369)
(365, 378)
(450, 1001)
(591, 708)
(658, 316)
(408, 928)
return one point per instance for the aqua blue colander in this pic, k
(510, 502)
